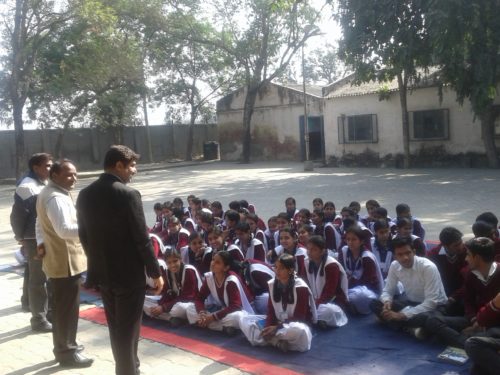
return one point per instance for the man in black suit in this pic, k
(113, 233)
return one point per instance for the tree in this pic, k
(191, 72)
(30, 23)
(466, 42)
(383, 40)
(322, 65)
(263, 45)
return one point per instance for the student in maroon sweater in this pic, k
(231, 297)
(482, 284)
(484, 350)
(485, 229)
(182, 283)
(449, 257)
(291, 310)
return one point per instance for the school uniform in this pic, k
(417, 228)
(200, 262)
(329, 287)
(231, 301)
(368, 234)
(178, 240)
(235, 252)
(333, 239)
(364, 278)
(158, 247)
(292, 318)
(383, 254)
(271, 240)
(453, 270)
(190, 226)
(253, 250)
(256, 275)
(261, 236)
(478, 292)
(178, 292)
(300, 255)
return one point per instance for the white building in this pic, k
(348, 121)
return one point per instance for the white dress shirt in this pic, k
(422, 284)
(60, 210)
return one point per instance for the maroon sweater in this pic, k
(478, 294)
(188, 290)
(452, 273)
(369, 277)
(302, 312)
(489, 315)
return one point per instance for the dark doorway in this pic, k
(316, 133)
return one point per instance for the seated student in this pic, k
(424, 291)
(381, 244)
(205, 203)
(484, 350)
(231, 217)
(380, 213)
(330, 214)
(449, 257)
(178, 237)
(194, 206)
(289, 245)
(216, 242)
(156, 228)
(251, 248)
(356, 207)
(197, 253)
(158, 247)
(303, 233)
(369, 220)
(303, 217)
(491, 219)
(404, 211)
(363, 272)
(217, 212)
(404, 230)
(231, 298)
(281, 222)
(485, 229)
(291, 311)
(482, 284)
(327, 280)
(182, 283)
(179, 205)
(252, 220)
(256, 275)
(272, 227)
(207, 223)
(348, 220)
(317, 204)
(317, 219)
(291, 209)
(235, 205)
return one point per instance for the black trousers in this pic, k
(398, 304)
(123, 308)
(65, 312)
(484, 351)
(448, 328)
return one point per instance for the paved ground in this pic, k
(437, 197)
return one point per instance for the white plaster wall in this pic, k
(464, 133)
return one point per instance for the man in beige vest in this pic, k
(63, 260)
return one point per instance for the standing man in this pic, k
(22, 220)
(114, 235)
(63, 260)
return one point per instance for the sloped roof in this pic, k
(345, 87)
(310, 89)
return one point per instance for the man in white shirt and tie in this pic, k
(423, 289)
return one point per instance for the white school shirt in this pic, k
(283, 315)
(422, 284)
(317, 283)
(210, 279)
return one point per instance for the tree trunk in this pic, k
(402, 84)
(17, 112)
(146, 123)
(488, 134)
(189, 144)
(247, 120)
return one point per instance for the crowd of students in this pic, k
(230, 271)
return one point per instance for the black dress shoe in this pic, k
(77, 360)
(42, 327)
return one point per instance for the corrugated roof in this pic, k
(344, 86)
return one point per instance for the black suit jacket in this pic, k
(114, 235)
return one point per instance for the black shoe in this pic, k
(44, 326)
(77, 360)
(322, 325)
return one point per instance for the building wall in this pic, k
(464, 132)
(86, 147)
(275, 123)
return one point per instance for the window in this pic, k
(357, 129)
(428, 125)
